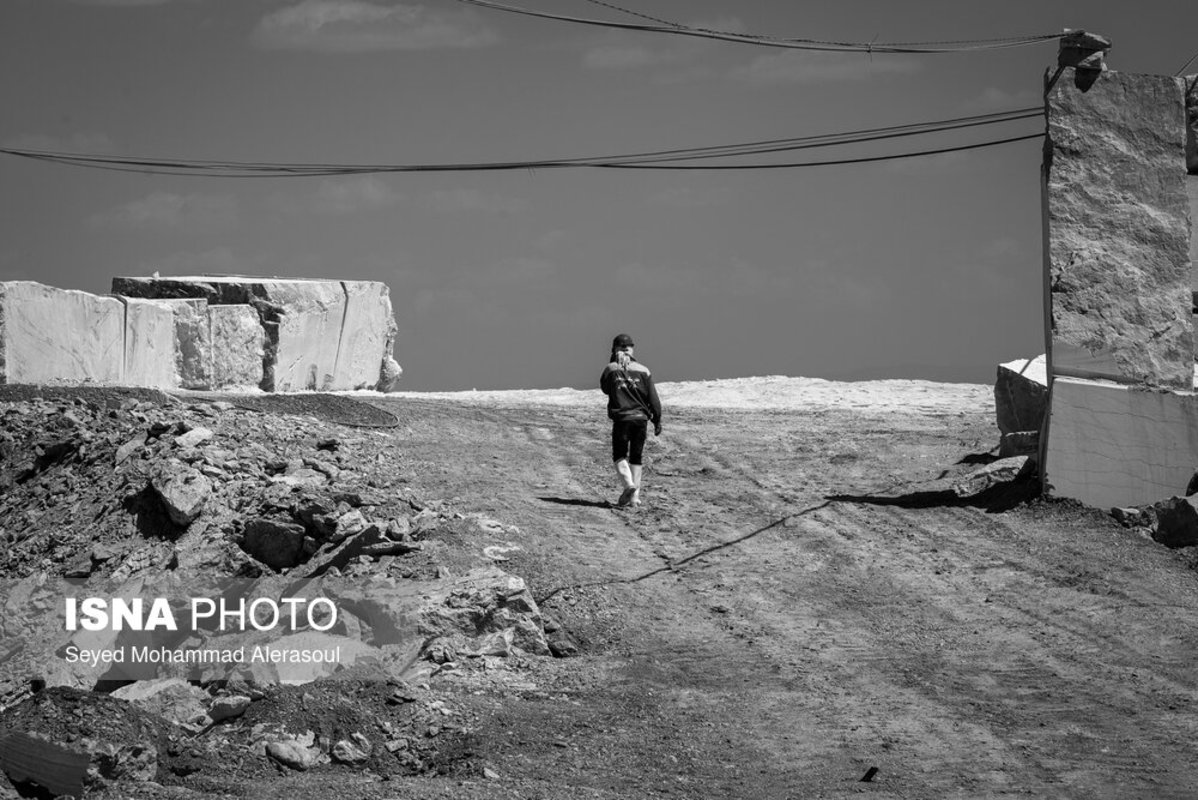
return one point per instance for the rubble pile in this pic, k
(147, 491)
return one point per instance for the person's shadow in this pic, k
(575, 501)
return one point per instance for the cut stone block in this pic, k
(149, 357)
(59, 336)
(1021, 394)
(309, 318)
(238, 346)
(193, 343)
(1117, 445)
(1118, 229)
(367, 336)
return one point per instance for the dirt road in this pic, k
(796, 605)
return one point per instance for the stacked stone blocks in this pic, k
(208, 332)
(1123, 415)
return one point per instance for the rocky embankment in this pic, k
(141, 494)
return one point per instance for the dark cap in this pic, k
(623, 340)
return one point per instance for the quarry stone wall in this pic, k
(1120, 287)
(202, 333)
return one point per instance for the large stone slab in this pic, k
(149, 353)
(59, 336)
(306, 333)
(367, 335)
(238, 346)
(1021, 394)
(1118, 229)
(1117, 445)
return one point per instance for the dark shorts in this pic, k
(628, 440)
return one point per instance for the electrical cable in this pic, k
(950, 46)
(628, 160)
(834, 162)
(630, 12)
(1185, 65)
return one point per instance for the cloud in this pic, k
(340, 196)
(450, 200)
(801, 66)
(169, 211)
(353, 26)
(71, 143)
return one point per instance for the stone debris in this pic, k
(278, 545)
(183, 491)
(353, 751)
(1021, 394)
(1005, 470)
(134, 492)
(228, 707)
(172, 699)
(293, 754)
(1176, 521)
(67, 740)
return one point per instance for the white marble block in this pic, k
(367, 335)
(59, 336)
(1116, 445)
(149, 353)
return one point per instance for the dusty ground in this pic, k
(798, 604)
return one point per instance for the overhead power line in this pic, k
(655, 159)
(673, 28)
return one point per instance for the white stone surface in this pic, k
(59, 336)
(367, 335)
(238, 346)
(1021, 394)
(193, 342)
(149, 354)
(1114, 445)
(309, 330)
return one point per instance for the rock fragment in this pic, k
(183, 491)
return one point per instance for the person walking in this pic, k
(632, 404)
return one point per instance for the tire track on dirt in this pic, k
(954, 649)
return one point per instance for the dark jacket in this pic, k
(630, 392)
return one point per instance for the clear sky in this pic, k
(926, 267)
